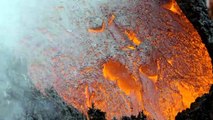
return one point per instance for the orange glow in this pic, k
(131, 47)
(161, 77)
(98, 29)
(172, 6)
(88, 102)
(115, 71)
(111, 19)
(132, 36)
(150, 73)
(187, 95)
(170, 61)
(154, 78)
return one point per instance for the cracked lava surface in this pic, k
(123, 56)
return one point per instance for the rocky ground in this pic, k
(36, 106)
(196, 11)
(201, 109)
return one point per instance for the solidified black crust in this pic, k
(140, 116)
(96, 114)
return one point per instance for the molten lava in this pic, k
(132, 36)
(146, 58)
(172, 6)
(117, 72)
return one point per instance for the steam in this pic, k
(19, 100)
(47, 42)
(13, 81)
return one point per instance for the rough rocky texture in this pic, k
(70, 59)
(96, 114)
(140, 116)
(197, 13)
(201, 109)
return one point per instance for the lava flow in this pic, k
(146, 56)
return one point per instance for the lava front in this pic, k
(124, 56)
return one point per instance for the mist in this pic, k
(19, 99)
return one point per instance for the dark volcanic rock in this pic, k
(140, 116)
(96, 114)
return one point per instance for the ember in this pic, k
(115, 71)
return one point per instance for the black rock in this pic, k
(96, 114)
(140, 116)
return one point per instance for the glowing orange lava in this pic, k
(132, 36)
(111, 19)
(147, 59)
(172, 6)
(98, 29)
(117, 72)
